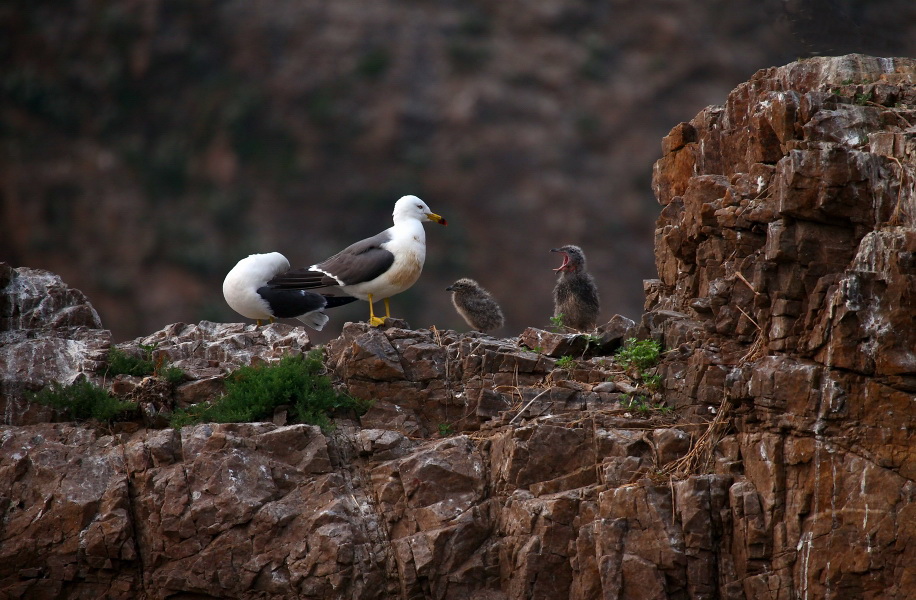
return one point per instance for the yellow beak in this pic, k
(436, 218)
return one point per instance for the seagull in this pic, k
(247, 291)
(476, 305)
(375, 268)
(575, 296)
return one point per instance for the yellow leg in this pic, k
(272, 320)
(258, 321)
(373, 320)
(387, 309)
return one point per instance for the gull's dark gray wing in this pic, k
(363, 261)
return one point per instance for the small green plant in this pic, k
(557, 322)
(641, 354)
(445, 429)
(172, 374)
(592, 339)
(120, 362)
(536, 349)
(83, 400)
(651, 382)
(663, 408)
(864, 98)
(566, 362)
(643, 405)
(639, 403)
(192, 415)
(253, 393)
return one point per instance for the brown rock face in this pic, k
(488, 470)
(787, 242)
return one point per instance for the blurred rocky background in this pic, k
(145, 147)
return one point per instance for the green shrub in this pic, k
(253, 393)
(642, 354)
(83, 400)
(120, 362)
(172, 374)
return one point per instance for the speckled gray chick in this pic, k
(476, 305)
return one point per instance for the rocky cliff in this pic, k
(775, 460)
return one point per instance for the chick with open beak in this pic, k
(575, 296)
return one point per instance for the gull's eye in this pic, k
(420, 206)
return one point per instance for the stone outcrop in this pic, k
(48, 332)
(420, 380)
(786, 252)
(774, 458)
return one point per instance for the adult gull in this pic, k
(375, 268)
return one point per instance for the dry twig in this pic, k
(701, 454)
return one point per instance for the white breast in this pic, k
(408, 244)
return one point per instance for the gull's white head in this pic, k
(411, 207)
